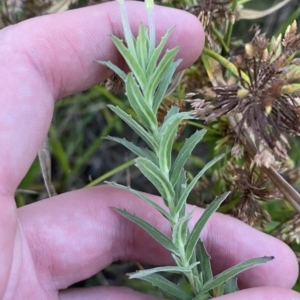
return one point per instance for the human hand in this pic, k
(49, 245)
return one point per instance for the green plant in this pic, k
(145, 86)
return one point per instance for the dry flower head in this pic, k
(212, 13)
(267, 106)
(254, 187)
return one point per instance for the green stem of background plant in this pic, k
(226, 63)
(230, 26)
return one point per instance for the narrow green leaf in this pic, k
(171, 269)
(143, 197)
(250, 14)
(135, 126)
(142, 46)
(58, 151)
(234, 271)
(204, 259)
(175, 82)
(179, 190)
(168, 286)
(167, 135)
(171, 112)
(185, 153)
(113, 67)
(137, 102)
(197, 280)
(189, 188)
(156, 53)
(151, 25)
(158, 74)
(219, 290)
(230, 286)
(230, 24)
(45, 164)
(158, 179)
(226, 63)
(194, 236)
(203, 297)
(130, 41)
(180, 231)
(135, 149)
(112, 172)
(163, 86)
(156, 234)
(177, 260)
(131, 61)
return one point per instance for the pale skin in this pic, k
(49, 245)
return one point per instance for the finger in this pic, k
(46, 58)
(49, 57)
(105, 293)
(230, 241)
(63, 47)
(80, 235)
(264, 293)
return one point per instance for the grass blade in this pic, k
(194, 237)
(185, 153)
(189, 188)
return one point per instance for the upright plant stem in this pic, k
(230, 27)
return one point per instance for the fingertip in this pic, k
(65, 46)
(282, 271)
(263, 293)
